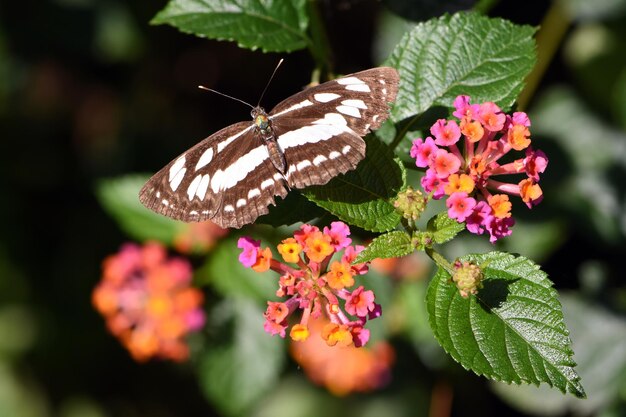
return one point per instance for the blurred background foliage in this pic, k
(90, 90)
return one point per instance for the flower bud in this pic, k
(411, 203)
(467, 277)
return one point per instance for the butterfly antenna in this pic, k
(269, 81)
(225, 95)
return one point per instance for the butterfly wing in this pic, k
(319, 129)
(226, 178)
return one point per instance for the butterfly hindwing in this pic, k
(319, 151)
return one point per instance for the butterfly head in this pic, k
(261, 120)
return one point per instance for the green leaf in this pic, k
(120, 198)
(271, 25)
(390, 245)
(466, 53)
(235, 375)
(600, 338)
(444, 228)
(231, 279)
(361, 197)
(512, 330)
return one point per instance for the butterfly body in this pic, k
(264, 127)
(232, 176)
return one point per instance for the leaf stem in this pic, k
(402, 133)
(440, 260)
(319, 47)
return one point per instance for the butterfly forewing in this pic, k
(229, 178)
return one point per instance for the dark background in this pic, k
(91, 90)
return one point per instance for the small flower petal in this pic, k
(445, 133)
(460, 206)
(250, 248)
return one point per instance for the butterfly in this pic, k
(232, 176)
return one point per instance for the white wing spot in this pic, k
(349, 110)
(334, 155)
(267, 183)
(193, 213)
(176, 167)
(238, 170)
(229, 208)
(332, 124)
(326, 97)
(384, 91)
(349, 80)
(202, 188)
(305, 103)
(278, 176)
(346, 149)
(363, 88)
(165, 202)
(255, 192)
(205, 158)
(227, 141)
(191, 191)
(332, 118)
(354, 84)
(205, 211)
(359, 104)
(241, 202)
(303, 164)
(319, 159)
(178, 178)
(158, 194)
(374, 118)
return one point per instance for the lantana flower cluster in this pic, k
(317, 283)
(148, 303)
(464, 170)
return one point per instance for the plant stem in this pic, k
(319, 46)
(440, 260)
(401, 134)
(553, 29)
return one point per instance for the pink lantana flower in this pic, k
(432, 183)
(445, 163)
(460, 206)
(462, 162)
(423, 151)
(338, 233)
(248, 256)
(360, 303)
(446, 134)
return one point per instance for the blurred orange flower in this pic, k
(147, 301)
(343, 370)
